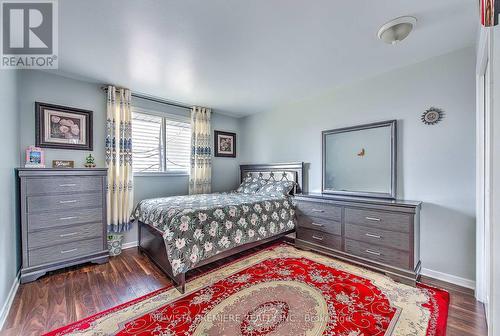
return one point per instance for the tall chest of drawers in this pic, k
(379, 234)
(63, 219)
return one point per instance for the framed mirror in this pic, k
(360, 160)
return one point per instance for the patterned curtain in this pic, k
(119, 159)
(200, 181)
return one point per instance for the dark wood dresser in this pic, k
(63, 219)
(380, 234)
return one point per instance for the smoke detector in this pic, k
(397, 30)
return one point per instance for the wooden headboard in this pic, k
(276, 172)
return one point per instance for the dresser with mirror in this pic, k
(357, 216)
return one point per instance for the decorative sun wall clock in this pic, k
(432, 116)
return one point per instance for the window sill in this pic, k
(159, 174)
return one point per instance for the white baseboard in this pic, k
(467, 283)
(130, 245)
(8, 303)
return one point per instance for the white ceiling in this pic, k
(246, 56)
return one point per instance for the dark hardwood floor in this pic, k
(69, 295)
(466, 315)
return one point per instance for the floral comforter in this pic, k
(197, 227)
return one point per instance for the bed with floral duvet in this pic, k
(198, 228)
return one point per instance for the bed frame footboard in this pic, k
(152, 244)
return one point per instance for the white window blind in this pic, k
(160, 144)
(178, 146)
(146, 143)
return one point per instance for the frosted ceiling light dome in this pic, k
(397, 30)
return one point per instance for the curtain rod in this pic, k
(155, 99)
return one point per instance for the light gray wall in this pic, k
(49, 88)
(436, 163)
(55, 89)
(9, 137)
(226, 171)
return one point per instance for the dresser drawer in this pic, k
(384, 220)
(64, 235)
(39, 221)
(320, 224)
(323, 210)
(320, 238)
(64, 251)
(60, 184)
(397, 240)
(380, 254)
(63, 202)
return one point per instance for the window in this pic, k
(160, 143)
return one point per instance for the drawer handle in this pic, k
(68, 185)
(373, 235)
(373, 219)
(317, 210)
(317, 238)
(373, 252)
(64, 202)
(66, 218)
(68, 251)
(317, 224)
(68, 234)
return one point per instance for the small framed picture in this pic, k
(225, 144)
(35, 157)
(62, 127)
(63, 164)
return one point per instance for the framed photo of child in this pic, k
(35, 157)
(225, 144)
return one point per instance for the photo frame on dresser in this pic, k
(63, 127)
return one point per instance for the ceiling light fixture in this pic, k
(397, 30)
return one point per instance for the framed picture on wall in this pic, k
(225, 144)
(62, 127)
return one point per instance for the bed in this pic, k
(181, 233)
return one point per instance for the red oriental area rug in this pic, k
(278, 291)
